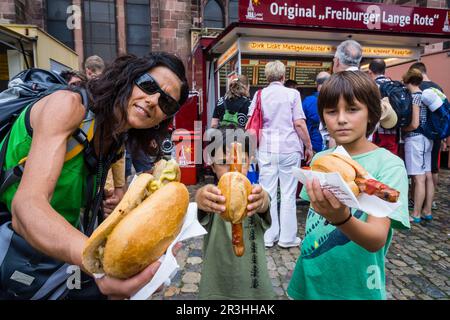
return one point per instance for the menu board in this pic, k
(288, 73)
(223, 77)
(248, 71)
(306, 72)
(262, 80)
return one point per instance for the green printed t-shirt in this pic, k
(226, 276)
(330, 265)
(69, 194)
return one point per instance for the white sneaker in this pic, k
(296, 243)
(268, 244)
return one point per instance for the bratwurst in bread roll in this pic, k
(355, 175)
(141, 227)
(236, 188)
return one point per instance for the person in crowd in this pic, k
(343, 254)
(432, 99)
(74, 78)
(435, 152)
(94, 66)
(133, 97)
(291, 84)
(347, 57)
(284, 143)
(312, 115)
(385, 138)
(426, 83)
(232, 109)
(225, 275)
(418, 150)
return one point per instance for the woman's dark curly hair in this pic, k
(111, 91)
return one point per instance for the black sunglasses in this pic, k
(168, 105)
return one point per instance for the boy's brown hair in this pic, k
(351, 85)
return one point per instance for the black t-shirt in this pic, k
(430, 84)
(232, 106)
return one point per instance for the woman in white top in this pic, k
(284, 143)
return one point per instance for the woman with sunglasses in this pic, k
(134, 99)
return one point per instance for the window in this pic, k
(138, 27)
(100, 29)
(233, 11)
(213, 15)
(57, 21)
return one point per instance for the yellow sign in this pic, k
(227, 55)
(285, 47)
(388, 52)
(312, 49)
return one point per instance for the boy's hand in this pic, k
(210, 199)
(257, 200)
(325, 203)
(112, 199)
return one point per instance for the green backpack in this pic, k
(229, 118)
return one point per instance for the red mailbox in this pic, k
(187, 145)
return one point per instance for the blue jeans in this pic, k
(142, 162)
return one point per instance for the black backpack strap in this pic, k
(84, 96)
(6, 177)
(5, 215)
(93, 210)
(88, 150)
(3, 154)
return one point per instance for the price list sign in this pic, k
(248, 71)
(262, 80)
(306, 72)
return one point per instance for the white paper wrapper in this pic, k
(333, 181)
(169, 266)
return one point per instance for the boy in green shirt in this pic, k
(343, 253)
(225, 275)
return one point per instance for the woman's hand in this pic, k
(118, 289)
(444, 146)
(257, 201)
(325, 203)
(210, 199)
(309, 154)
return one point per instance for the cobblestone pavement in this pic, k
(417, 265)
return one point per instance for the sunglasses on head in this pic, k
(168, 105)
